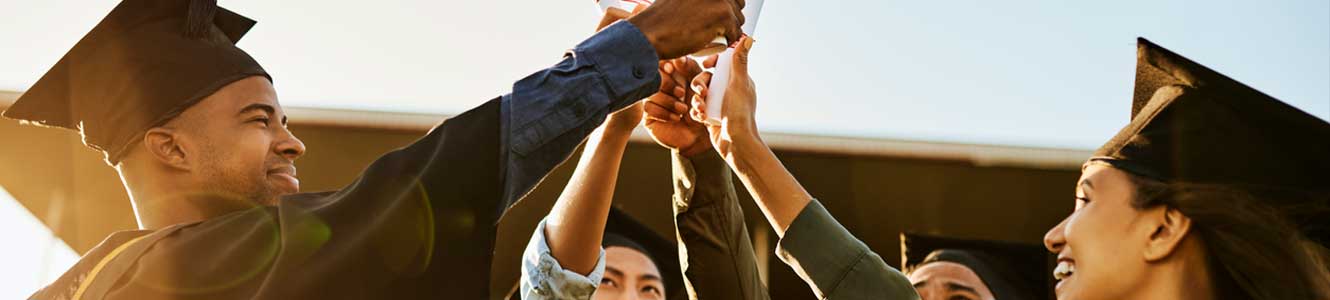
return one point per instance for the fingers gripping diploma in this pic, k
(736, 116)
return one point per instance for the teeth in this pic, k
(1064, 270)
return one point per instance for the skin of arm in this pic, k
(714, 244)
(780, 196)
(776, 191)
(830, 259)
(576, 223)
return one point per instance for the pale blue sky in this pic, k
(1035, 73)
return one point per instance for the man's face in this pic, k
(944, 280)
(629, 274)
(237, 143)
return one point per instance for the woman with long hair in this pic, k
(1212, 191)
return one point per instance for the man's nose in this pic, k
(289, 146)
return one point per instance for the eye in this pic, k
(261, 120)
(1082, 202)
(652, 290)
(959, 297)
(608, 282)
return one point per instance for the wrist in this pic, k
(646, 22)
(617, 133)
(745, 144)
(698, 147)
(742, 128)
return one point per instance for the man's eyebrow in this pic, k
(258, 106)
(264, 107)
(647, 277)
(613, 271)
(952, 286)
(920, 283)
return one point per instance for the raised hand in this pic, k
(736, 119)
(666, 112)
(679, 27)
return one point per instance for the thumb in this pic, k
(740, 63)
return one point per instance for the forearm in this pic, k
(543, 277)
(577, 222)
(552, 111)
(836, 264)
(775, 190)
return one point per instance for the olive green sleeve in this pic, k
(835, 263)
(715, 252)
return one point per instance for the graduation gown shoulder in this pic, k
(416, 224)
(419, 222)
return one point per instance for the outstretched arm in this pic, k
(715, 250)
(777, 193)
(550, 112)
(564, 258)
(576, 224)
(830, 259)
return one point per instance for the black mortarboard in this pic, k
(143, 64)
(1012, 271)
(622, 230)
(1190, 124)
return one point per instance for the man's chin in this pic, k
(283, 184)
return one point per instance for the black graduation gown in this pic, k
(418, 223)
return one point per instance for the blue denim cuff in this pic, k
(626, 59)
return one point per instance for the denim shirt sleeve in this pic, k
(550, 112)
(544, 278)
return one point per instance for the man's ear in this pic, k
(163, 145)
(1171, 228)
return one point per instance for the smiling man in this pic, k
(228, 152)
(193, 126)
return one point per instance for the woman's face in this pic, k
(1100, 245)
(946, 280)
(629, 274)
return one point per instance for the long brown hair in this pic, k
(1255, 250)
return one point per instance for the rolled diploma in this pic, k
(720, 78)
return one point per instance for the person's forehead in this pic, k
(241, 94)
(1102, 177)
(944, 271)
(1090, 170)
(631, 262)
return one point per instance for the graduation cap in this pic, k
(621, 230)
(1012, 271)
(142, 65)
(1190, 124)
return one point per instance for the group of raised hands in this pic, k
(570, 254)
(674, 116)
